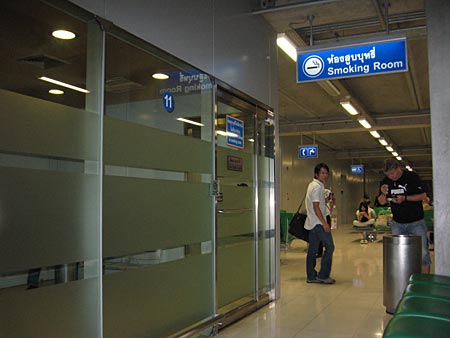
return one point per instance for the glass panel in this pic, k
(235, 207)
(49, 174)
(266, 202)
(158, 208)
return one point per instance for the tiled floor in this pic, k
(353, 307)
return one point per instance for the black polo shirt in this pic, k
(408, 184)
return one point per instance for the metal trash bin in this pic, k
(402, 256)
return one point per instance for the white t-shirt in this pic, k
(315, 193)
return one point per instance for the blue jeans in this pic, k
(417, 228)
(316, 235)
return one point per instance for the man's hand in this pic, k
(384, 189)
(398, 199)
(326, 227)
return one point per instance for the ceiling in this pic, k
(398, 104)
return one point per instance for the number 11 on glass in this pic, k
(168, 101)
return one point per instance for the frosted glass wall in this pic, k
(49, 175)
(157, 205)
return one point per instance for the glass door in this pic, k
(236, 216)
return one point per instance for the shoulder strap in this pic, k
(302, 202)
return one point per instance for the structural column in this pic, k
(438, 26)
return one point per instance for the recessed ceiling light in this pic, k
(160, 76)
(390, 149)
(63, 34)
(56, 91)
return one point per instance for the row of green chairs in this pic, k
(424, 310)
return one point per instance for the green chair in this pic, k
(428, 290)
(416, 327)
(424, 307)
(429, 278)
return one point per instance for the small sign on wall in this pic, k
(308, 151)
(357, 169)
(235, 163)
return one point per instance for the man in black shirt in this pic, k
(404, 191)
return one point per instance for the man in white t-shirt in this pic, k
(320, 230)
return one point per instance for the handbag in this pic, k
(297, 225)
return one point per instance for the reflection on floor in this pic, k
(353, 307)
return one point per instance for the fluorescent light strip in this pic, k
(383, 142)
(394, 153)
(287, 46)
(364, 123)
(63, 84)
(399, 158)
(349, 108)
(375, 134)
(226, 133)
(191, 122)
(390, 149)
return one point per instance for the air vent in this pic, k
(43, 61)
(120, 85)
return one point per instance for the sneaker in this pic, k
(315, 280)
(328, 280)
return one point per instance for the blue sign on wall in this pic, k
(369, 58)
(235, 127)
(357, 169)
(308, 151)
(168, 101)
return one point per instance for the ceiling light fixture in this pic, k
(226, 133)
(364, 123)
(375, 134)
(190, 121)
(63, 34)
(349, 108)
(399, 158)
(56, 91)
(394, 153)
(329, 87)
(63, 84)
(160, 76)
(287, 46)
(383, 142)
(390, 149)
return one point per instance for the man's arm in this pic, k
(412, 198)
(318, 212)
(382, 198)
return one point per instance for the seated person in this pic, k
(426, 204)
(364, 216)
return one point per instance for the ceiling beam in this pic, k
(292, 6)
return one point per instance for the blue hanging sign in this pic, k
(368, 58)
(357, 169)
(235, 128)
(308, 151)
